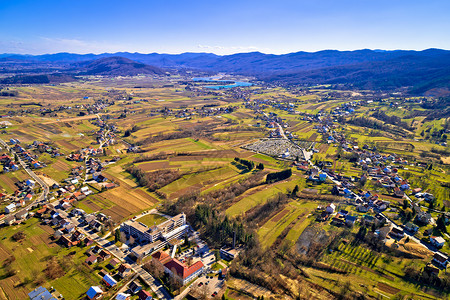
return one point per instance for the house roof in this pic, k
(161, 256)
(93, 291)
(113, 262)
(135, 286)
(124, 267)
(104, 253)
(11, 206)
(109, 280)
(439, 257)
(350, 218)
(144, 295)
(91, 259)
(122, 296)
(181, 269)
(40, 293)
(438, 239)
(397, 230)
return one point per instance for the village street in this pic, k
(44, 186)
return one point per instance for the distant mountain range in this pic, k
(419, 71)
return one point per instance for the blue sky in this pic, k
(222, 27)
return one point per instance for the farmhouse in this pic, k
(114, 262)
(350, 220)
(91, 260)
(21, 215)
(135, 287)
(423, 217)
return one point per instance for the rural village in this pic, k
(180, 190)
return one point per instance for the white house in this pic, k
(10, 208)
(94, 292)
(437, 241)
(330, 208)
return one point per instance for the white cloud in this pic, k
(229, 49)
(78, 45)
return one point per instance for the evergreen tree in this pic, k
(117, 235)
(295, 190)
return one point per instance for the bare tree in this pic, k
(123, 237)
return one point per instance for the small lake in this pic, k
(227, 83)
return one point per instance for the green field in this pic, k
(250, 199)
(269, 232)
(151, 220)
(31, 257)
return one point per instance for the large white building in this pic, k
(155, 237)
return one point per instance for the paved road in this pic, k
(283, 135)
(44, 186)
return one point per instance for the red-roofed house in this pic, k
(181, 272)
(124, 270)
(161, 257)
(79, 195)
(145, 295)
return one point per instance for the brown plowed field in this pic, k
(13, 291)
(280, 215)
(126, 198)
(67, 145)
(8, 182)
(92, 205)
(4, 252)
(152, 166)
(192, 188)
(22, 136)
(143, 194)
(61, 166)
(117, 213)
(313, 137)
(387, 288)
(186, 158)
(323, 148)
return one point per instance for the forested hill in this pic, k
(419, 71)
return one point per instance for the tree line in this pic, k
(154, 180)
(278, 176)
